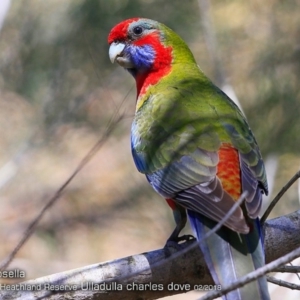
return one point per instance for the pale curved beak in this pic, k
(116, 53)
(115, 50)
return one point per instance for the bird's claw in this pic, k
(185, 238)
(177, 243)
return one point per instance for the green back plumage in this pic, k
(185, 111)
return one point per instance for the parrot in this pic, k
(196, 149)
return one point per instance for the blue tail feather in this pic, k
(230, 255)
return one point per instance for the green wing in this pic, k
(176, 136)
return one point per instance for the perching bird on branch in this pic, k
(196, 149)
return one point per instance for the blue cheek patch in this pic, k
(142, 56)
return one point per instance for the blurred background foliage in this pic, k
(58, 92)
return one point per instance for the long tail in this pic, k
(230, 255)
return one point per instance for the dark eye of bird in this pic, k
(138, 30)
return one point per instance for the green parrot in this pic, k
(196, 150)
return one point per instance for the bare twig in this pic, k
(298, 273)
(283, 283)
(30, 229)
(226, 217)
(288, 269)
(278, 197)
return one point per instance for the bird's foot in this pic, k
(184, 238)
(177, 242)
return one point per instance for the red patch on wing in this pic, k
(119, 32)
(171, 203)
(228, 170)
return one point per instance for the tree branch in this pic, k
(283, 283)
(288, 269)
(153, 273)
